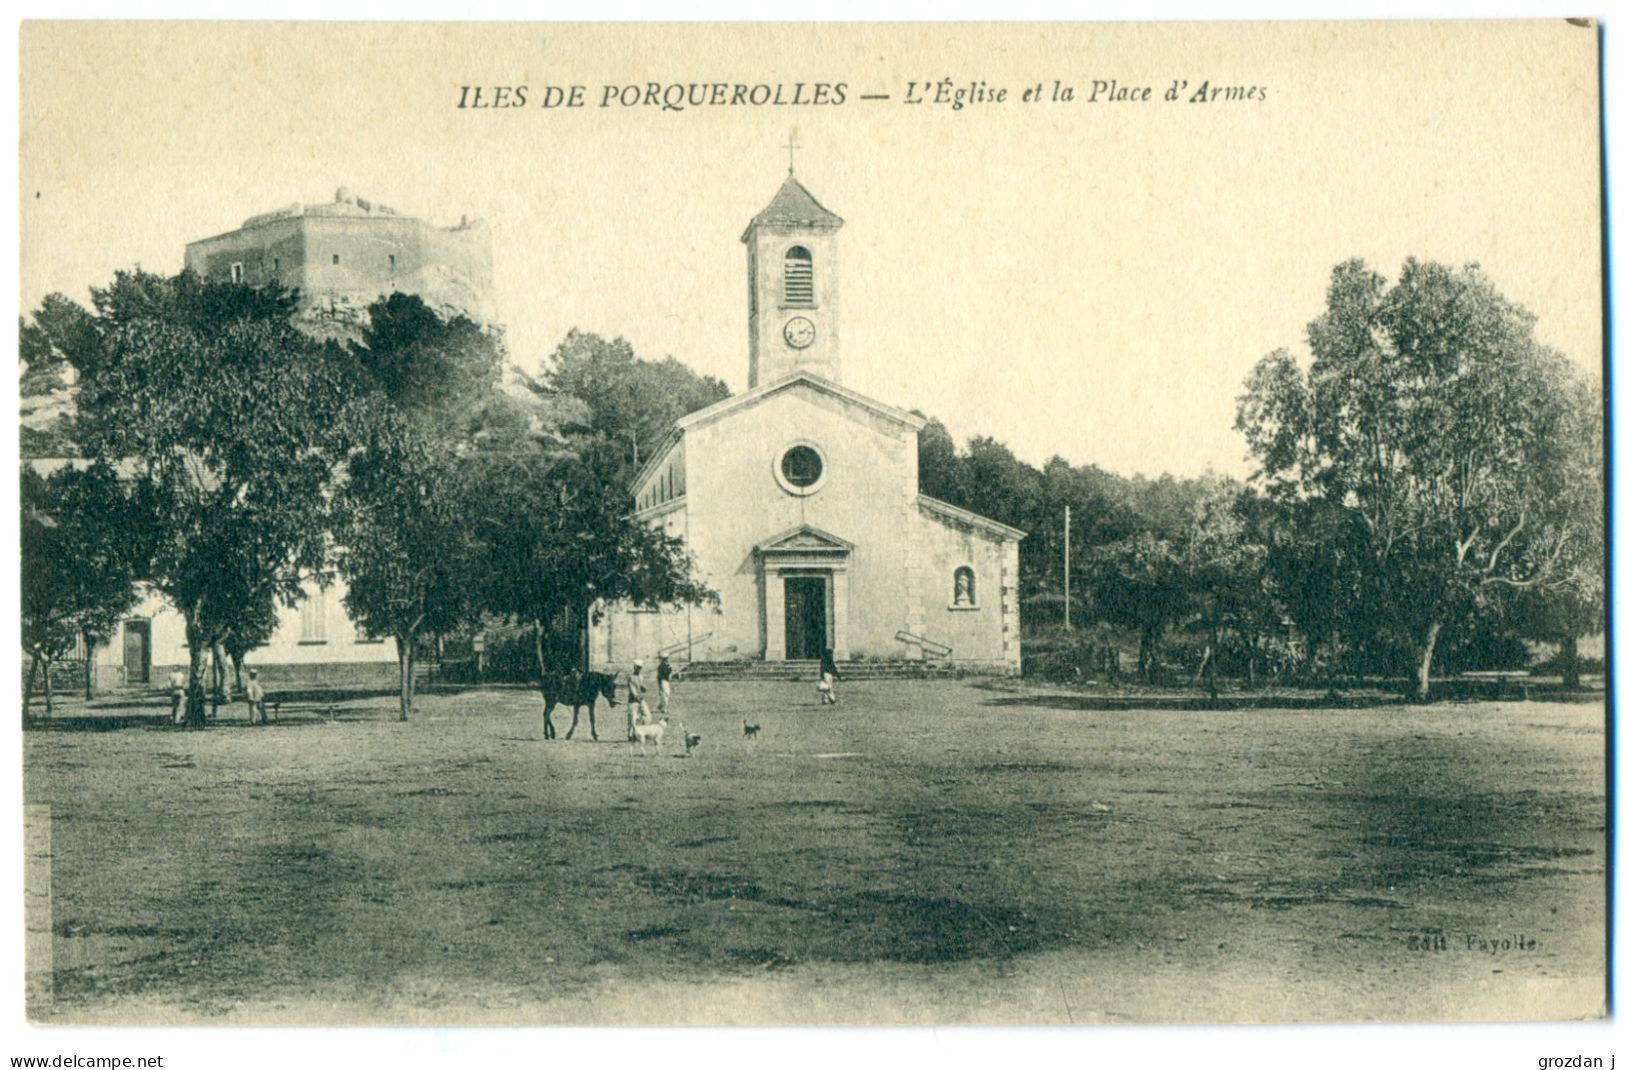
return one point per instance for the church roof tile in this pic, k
(793, 206)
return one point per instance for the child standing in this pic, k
(177, 694)
(256, 697)
(827, 675)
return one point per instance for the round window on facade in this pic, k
(800, 469)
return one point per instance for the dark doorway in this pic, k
(137, 651)
(805, 627)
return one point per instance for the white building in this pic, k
(800, 500)
(315, 643)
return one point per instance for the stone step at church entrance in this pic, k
(807, 671)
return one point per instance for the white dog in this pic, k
(642, 733)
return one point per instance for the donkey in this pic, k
(575, 689)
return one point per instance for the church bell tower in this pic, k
(792, 269)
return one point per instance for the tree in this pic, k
(405, 544)
(1139, 582)
(425, 394)
(553, 524)
(254, 625)
(1105, 509)
(46, 631)
(1430, 412)
(58, 327)
(231, 423)
(1102, 512)
(999, 485)
(1574, 599)
(630, 402)
(1223, 575)
(440, 369)
(60, 333)
(82, 549)
(941, 468)
(557, 539)
(1315, 563)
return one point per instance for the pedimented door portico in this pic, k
(804, 558)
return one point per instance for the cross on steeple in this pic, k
(792, 149)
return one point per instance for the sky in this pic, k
(1092, 280)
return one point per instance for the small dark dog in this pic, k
(690, 741)
(751, 730)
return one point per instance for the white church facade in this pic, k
(799, 501)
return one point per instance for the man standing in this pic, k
(637, 701)
(664, 676)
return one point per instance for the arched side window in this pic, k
(798, 278)
(964, 586)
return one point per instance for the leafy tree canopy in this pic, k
(444, 367)
(83, 547)
(630, 402)
(231, 423)
(1430, 413)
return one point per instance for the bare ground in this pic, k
(922, 852)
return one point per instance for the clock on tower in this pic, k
(794, 297)
(800, 332)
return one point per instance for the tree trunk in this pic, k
(195, 650)
(237, 669)
(1570, 659)
(404, 645)
(1423, 667)
(411, 672)
(49, 709)
(90, 665)
(586, 639)
(28, 687)
(541, 657)
(219, 682)
(1334, 662)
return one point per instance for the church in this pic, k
(799, 501)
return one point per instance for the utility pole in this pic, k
(1066, 564)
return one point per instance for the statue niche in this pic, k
(964, 586)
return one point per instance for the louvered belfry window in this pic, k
(798, 278)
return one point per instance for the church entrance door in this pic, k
(806, 621)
